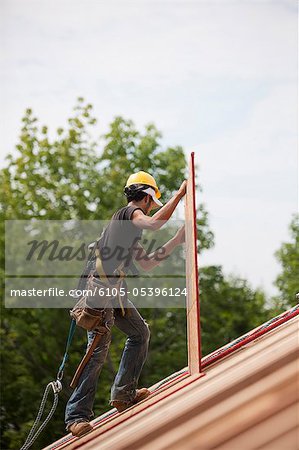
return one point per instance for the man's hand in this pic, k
(182, 190)
(180, 236)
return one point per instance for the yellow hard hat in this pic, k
(143, 178)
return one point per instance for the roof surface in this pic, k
(246, 398)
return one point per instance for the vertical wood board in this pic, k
(192, 300)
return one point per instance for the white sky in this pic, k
(217, 77)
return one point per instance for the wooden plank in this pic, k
(114, 416)
(192, 301)
(247, 416)
(287, 441)
(142, 407)
(208, 425)
(279, 423)
(188, 435)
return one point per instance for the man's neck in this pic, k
(138, 204)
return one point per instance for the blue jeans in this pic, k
(80, 404)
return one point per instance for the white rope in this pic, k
(34, 432)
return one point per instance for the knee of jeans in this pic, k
(145, 334)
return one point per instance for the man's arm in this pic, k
(149, 262)
(155, 222)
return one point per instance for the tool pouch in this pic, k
(86, 315)
(88, 318)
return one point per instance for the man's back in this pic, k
(117, 240)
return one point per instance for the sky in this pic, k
(218, 77)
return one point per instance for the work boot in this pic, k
(141, 394)
(120, 406)
(80, 428)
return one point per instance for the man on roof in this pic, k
(124, 232)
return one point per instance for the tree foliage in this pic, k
(229, 308)
(287, 281)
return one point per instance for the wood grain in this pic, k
(192, 302)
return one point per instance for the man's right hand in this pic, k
(182, 190)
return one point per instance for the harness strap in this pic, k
(104, 278)
(99, 266)
(68, 343)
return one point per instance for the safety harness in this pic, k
(119, 272)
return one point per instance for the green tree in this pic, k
(287, 281)
(229, 308)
